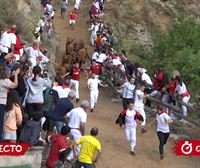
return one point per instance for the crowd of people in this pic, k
(31, 101)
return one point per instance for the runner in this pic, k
(93, 84)
(163, 121)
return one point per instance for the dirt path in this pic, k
(115, 148)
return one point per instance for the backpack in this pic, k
(30, 132)
(50, 99)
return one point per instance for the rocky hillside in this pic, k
(134, 22)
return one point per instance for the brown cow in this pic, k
(83, 55)
(79, 44)
(69, 45)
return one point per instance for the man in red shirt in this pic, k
(75, 77)
(72, 19)
(59, 147)
(95, 68)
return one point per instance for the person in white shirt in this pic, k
(95, 55)
(163, 120)
(128, 118)
(62, 89)
(36, 57)
(182, 91)
(77, 4)
(49, 9)
(94, 28)
(8, 40)
(33, 53)
(139, 105)
(77, 118)
(93, 84)
(102, 57)
(128, 92)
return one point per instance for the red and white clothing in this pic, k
(102, 58)
(93, 85)
(18, 47)
(62, 91)
(95, 69)
(182, 90)
(58, 144)
(74, 82)
(130, 126)
(72, 18)
(7, 39)
(139, 105)
(35, 57)
(145, 77)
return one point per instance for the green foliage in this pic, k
(180, 49)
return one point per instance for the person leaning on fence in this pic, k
(89, 145)
(182, 93)
(59, 148)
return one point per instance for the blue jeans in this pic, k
(59, 125)
(79, 164)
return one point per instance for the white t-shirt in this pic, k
(145, 77)
(49, 8)
(162, 125)
(76, 116)
(181, 89)
(138, 100)
(93, 84)
(62, 93)
(7, 39)
(102, 57)
(5, 85)
(31, 53)
(130, 119)
(95, 56)
(128, 90)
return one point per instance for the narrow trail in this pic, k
(115, 148)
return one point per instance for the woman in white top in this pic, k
(182, 91)
(163, 120)
(139, 104)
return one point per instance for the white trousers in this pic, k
(142, 112)
(184, 108)
(92, 39)
(75, 85)
(130, 133)
(33, 62)
(93, 98)
(76, 134)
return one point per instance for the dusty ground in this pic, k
(115, 149)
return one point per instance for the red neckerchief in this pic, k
(11, 31)
(65, 86)
(161, 112)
